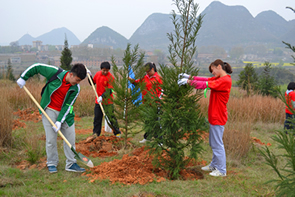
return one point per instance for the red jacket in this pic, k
(290, 96)
(220, 91)
(103, 82)
(149, 82)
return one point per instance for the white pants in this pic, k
(51, 140)
(216, 143)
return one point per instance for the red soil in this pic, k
(258, 141)
(134, 169)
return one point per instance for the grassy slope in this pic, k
(246, 177)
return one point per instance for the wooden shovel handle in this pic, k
(95, 91)
(45, 114)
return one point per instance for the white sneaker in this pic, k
(217, 173)
(143, 141)
(208, 168)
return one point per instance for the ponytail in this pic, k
(224, 65)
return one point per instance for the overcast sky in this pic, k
(82, 17)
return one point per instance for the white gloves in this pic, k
(58, 125)
(89, 72)
(99, 99)
(182, 81)
(20, 82)
(183, 75)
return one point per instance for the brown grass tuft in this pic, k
(6, 116)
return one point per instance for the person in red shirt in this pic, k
(290, 105)
(152, 83)
(103, 80)
(220, 86)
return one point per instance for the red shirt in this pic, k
(103, 82)
(149, 82)
(289, 97)
(220, 91)
(58, 96)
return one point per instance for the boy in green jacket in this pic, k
(57, 100)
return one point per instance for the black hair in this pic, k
(150, 65)
(106, 65)
(225, 66)
(291, 86)
(79, 70)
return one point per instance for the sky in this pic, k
(82, 17)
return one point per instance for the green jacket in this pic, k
(66, 113)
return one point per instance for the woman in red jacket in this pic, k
(290, 104)
(220, 86)
(152, 83)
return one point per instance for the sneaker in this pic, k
(208, 168)
(118, 135)
(75, 168)
(143, 141)
(94, 135)
(217, 173)
(52, 169)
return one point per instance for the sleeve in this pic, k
(199, 84)
(45, 70)
(67, 107)
(196, 78)
(218, 84)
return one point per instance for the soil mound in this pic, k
(133, 169)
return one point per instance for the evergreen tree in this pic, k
(266, 82)
(9, 74)
(248, 79)
(66, 58)
(176, 118)
(126, 110)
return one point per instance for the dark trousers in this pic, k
(289, 122)
(98, 115)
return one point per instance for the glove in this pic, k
(99, 99)
(20, 82)
(182, 81)
(183, 75)
(89, 72)
(58, 125)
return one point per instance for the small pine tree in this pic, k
(66, 58)
(126, 110)
(9, 74)
(248, 79)
(266, 82)
(175, 119)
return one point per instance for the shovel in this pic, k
(78, 156)
(105, 116)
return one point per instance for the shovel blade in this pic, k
(82, 158)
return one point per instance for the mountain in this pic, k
(224, 26)
(26, 39)
(152, 34)
(272, 22)
(106, 37)
(54, 37)
(235, 26)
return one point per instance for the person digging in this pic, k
(58, 98)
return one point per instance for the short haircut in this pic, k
(106, 65)
(79, 70)
(291, 86)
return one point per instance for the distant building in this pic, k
(14, 60)
(26, 47)
(90, 46)
(37, 43)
